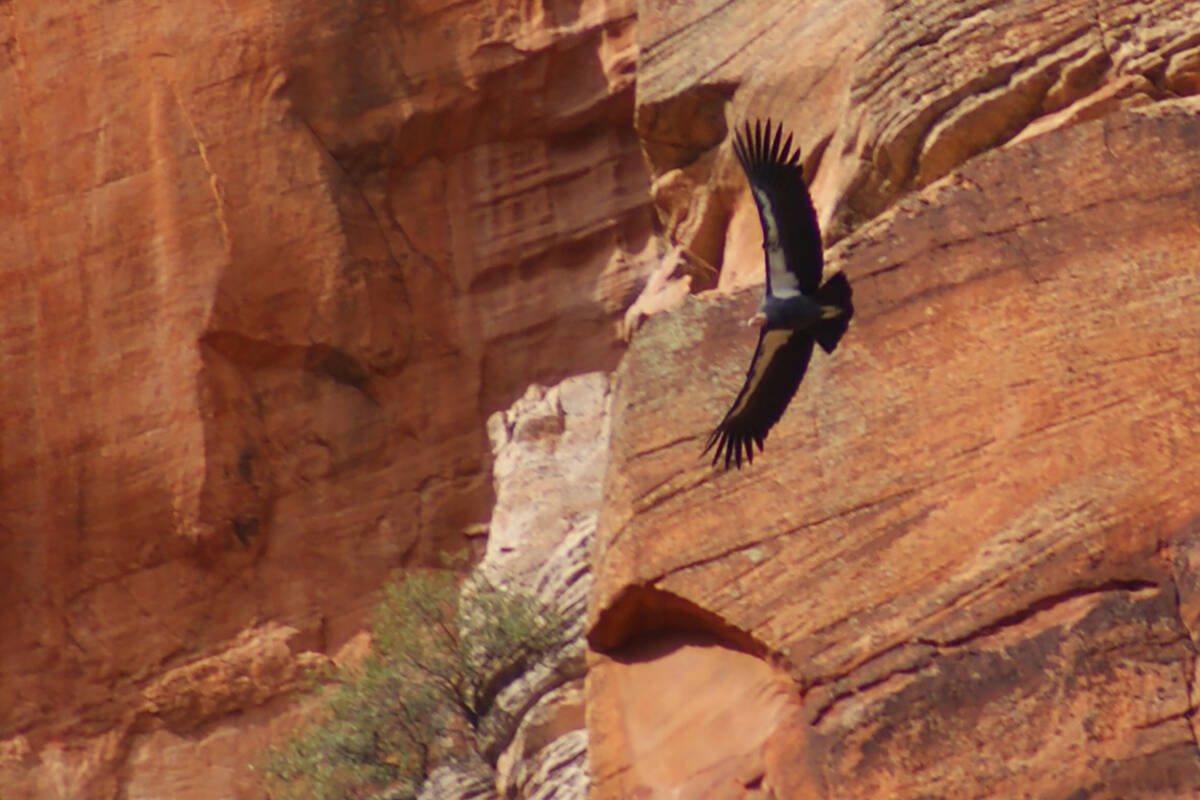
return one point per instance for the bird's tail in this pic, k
(834, 298)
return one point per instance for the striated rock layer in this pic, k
(883, 96)
(965, 564)
(267, 268)
(551, 451)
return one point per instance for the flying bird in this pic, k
(796, 309)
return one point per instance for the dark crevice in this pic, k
(337, 365)
(891, 650)
(658, 494)
(1189, 675)
(649, 614)
(922, 661)
(665, 446)
(924, 651)
(764, 540)
(1038, 606)
(392, 263)
(319, 359)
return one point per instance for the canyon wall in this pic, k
(268, 268)
(964, 565)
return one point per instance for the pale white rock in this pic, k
(551, 453)
(548, 754)
(451, 783)
(550, 457)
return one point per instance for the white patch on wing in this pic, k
(771, 341)
(768, 216)
(783, 283)
(780, 281)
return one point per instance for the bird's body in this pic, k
(797, 312)
(796, 309)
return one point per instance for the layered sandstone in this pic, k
(964, 566)
(267, 269)
(883, 97)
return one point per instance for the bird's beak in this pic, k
(757, 321)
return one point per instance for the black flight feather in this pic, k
(779, 363)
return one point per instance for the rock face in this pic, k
(884, 96)
(551, 452)
(967, 553)
(965, 565)
(267, 270)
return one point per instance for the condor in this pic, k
(796, 309)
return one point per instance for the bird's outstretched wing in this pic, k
(779, 363)
(791, 237)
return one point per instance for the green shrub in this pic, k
(439, 660)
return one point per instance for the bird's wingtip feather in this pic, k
(761, 142)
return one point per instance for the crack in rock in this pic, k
(912, 656)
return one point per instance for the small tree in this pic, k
(439, 659)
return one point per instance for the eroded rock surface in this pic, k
(551, 452)
(267, 269)
(967, 542)
(706, 712)
(883, 96)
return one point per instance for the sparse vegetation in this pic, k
(439, 659)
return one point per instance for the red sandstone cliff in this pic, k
(269, 267)
(965, 564)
